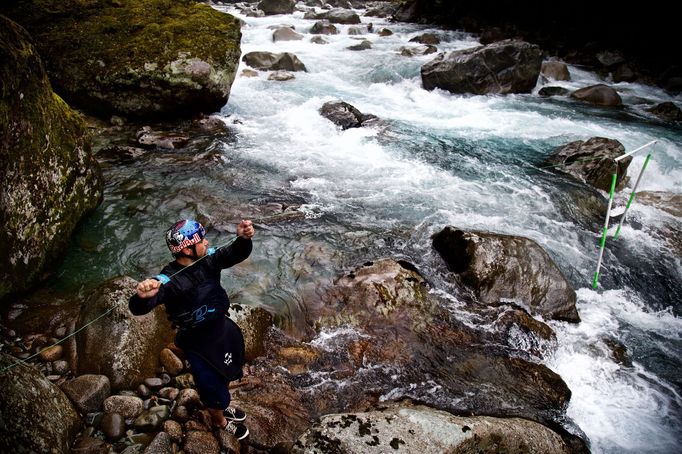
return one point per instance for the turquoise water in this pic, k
(438, 159)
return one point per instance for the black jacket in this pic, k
(197, 305)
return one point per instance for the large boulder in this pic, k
(593, 162)
(133, 343)
(667, 111)
(150, 58)
(50, 179)
(344, 115)
(335, 16)
(416, 429)
(504, 268)
(503, 67)
(35, 415)
(600, 95)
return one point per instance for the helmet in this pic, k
(183, 234)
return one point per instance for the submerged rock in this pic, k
(499, 68)
(344, 115)
(505, 268)
(50, 179)
(667, 111)
(146, 59)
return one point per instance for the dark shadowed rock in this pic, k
(426, 38)
(87, 392)
(418, 50)
(593, 162)
(134, 342)
(344, 115)
(268, 61)
(417, 429)
(100, 53)
(499, 68)
(35, 415)
(600, 95)
(667, 111)
(363, 45)
(50, 179)
(271, 7)
(501, 268)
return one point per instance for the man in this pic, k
(197, 305)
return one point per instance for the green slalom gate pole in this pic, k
(632, 196)
(604, 230)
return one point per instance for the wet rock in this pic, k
(151, 420)
(499, 68)
(335, 16)
(666, 201)
(281, 76)
(150, 138)
(272, 7)
(504, 268)
(133, 340)
(254, 322)
(318, 40)
(169, 393)
(385, 32)
(286, 34)
(419, 429)
(593, 162)
(246, 72)
(52, 353)
(553, 91)
(99, 55)
(188, 397)
(184, 381)
(127, 406)
(161, 444)
(268, 61)
(198, 442)
(667, 111)
(143, 391)
(344, 115)
(153, 383)
(555, 70)
(89, 445)
(87, 392)
(60, 367)
(36, 415)
(181, 413)
(364, 45)
(50, 178)
(600, 95)
(420, 50)
(426, 38)
(113, 425)
(324, 28)
(618, 351)
(173, 429)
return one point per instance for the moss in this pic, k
(50, 177)
(98, 50)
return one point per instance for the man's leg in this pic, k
(212, 388)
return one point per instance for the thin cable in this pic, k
(5, 369)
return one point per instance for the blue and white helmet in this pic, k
(183, 234)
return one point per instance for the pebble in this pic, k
(113, 426)
(60, 367)
(143, 391)
(153, 382)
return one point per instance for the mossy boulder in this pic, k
(35, 415)
(50, 179)
(138, 58)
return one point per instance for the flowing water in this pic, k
(438, 159)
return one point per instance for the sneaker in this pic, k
(239, 431)
(234, 414)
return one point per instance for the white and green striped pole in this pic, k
(632, 196)
(606, 228)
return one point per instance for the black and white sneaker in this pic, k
(234, 414)
(239, 431)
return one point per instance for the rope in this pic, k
(21, 361)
